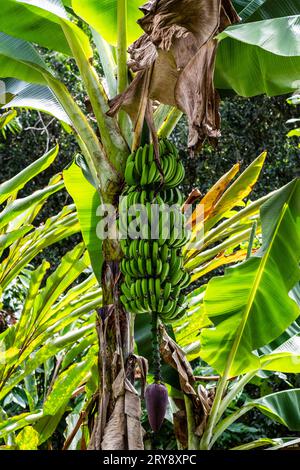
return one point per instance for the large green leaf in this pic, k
(27, 95)
(260, 57)
(40, 22)
(50, 349)
(187, 329)
(46, 425)
(19, 59)
(72, 264)
(9, 238)
(285, 358)
(218, 204)
(102, 16)
(246, 304)
(255, 10)
(87, 201)
(283, 407)
(280, 36)
(17, 422)
(56, 228)
(27, 439)
(8, 188)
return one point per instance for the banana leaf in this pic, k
(87, 202)
(242, 304)
(20, 94)
(9, 187)
(102, 16)
(40, 22)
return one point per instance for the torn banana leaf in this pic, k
(174, 62)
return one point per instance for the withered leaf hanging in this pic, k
(178, 50)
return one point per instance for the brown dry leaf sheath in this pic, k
(179, 49)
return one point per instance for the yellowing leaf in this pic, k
(218, 261)
(239, 190)
(214, 194)
(7, 356)
(27, 439)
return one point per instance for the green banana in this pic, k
(154, 254)
(144, 285)
(159, 267)
(167, 306)
(167, 290)
(164, 253)
(165, 271)
(138, 288)
(144, 178)
(126, 291)
(176, 277)
(138, 160)
(185, 280)
(130, 174)
(157, 288)
(149, 266)
(141, 266)
(152, 173)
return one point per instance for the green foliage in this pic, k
(53, 316)
(241, 303)
(87, 202)
(103, 18)
(51, 352)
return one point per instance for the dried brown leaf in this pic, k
(175, 357)
(201, 400)
(179, 47)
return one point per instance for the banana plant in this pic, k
(53, 341)
(269, 64)
(222, 236)
(242, 325)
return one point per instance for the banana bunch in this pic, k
(153, 264)
(142, 169)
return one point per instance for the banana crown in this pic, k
(142, 169)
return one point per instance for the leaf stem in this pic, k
(123, 118)
(115, 150)
(234, 392)
(252, 238)
(212, 420)
(155, 349)
(193, 440)
(122, 44)
(170, 123)
(223, 425)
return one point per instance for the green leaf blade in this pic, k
(243, 305)
(87, 201)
